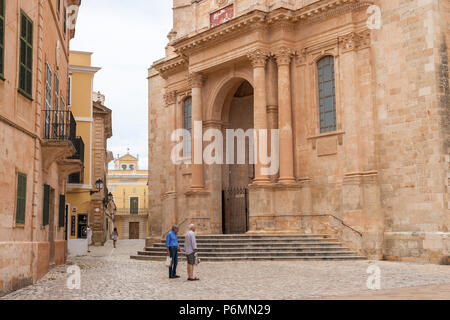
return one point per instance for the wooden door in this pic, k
(134, 230)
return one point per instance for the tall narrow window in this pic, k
(46, 206)
(57, 124)
(187, 150)
(134, 205)
(65, 20)
(62, 211)
(69, 92)
(2, 39)
(48, 101)
(21, 198)
(26, 55)
(63, 118)
(327, 94)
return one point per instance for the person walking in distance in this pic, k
(190, 246)
(115, 237)
(172, 251)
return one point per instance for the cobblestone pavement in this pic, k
(111, 274)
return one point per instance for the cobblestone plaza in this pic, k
(109, 274)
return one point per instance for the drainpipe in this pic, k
(37, 156)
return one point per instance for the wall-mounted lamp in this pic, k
(98, 185)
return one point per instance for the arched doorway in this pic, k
(237, 176)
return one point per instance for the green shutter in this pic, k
(46, 210)
(62, 211)
(2, 38)
(26, 56)
(21, 198)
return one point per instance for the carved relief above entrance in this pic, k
(222, 15)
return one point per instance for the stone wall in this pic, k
(411, 138)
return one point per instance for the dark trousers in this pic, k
(173, 266)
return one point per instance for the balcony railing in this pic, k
(78, 143)
(128, 211)
(60, 125)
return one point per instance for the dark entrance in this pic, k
(82, 226)
(238, 176)
(235, 211)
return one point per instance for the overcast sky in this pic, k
(125, 37)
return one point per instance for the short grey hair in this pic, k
(191, 226)
(174, 227)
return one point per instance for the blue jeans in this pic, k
(174, 255)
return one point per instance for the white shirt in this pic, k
(190, 243)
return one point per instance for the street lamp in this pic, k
(98, 185)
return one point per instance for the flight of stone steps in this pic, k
(217, 248)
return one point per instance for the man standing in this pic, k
(172, 251)
(190, 246)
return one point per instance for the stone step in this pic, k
(257, 254)
(255, 249)
(257, 240)
(241, 236)
(252, 244)
(258, 248)
(259, 258)
(272, 237)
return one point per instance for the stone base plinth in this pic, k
(433, 247)
(276, 208)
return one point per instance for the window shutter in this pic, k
(21, 198)
(26, 55)
(46, 211)
(62, 211)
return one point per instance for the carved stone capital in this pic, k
(283, 55)
(354, 41)
(258, 58)
(170, 98)
(301, 57)
(196, 80)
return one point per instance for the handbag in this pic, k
(168, 262)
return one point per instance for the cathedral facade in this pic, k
(358, 94)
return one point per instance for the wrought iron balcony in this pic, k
(79, 146)
(60, 143)
(59, 125)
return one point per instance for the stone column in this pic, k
(197, 81)
(272, 103)
(258, 58)
(284, 56)
(170, 99)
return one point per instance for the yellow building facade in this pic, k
(87, 198)
(129, 186)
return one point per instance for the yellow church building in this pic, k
(129, 186)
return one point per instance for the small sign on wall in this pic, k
(72, 226)
(221, 16)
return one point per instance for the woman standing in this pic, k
(115, 237)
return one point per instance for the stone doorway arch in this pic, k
(235, 101)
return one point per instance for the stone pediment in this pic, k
(128, 157)
(258, 19)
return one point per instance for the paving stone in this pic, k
(111, 274)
